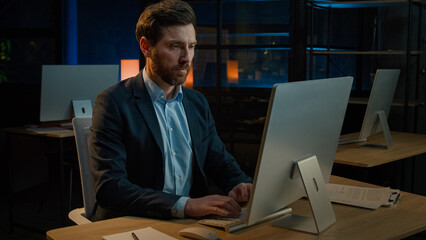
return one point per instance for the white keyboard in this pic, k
(225, 222)
(235, 224)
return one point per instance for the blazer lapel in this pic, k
(144, 104)
(199, 187)
(194, 128)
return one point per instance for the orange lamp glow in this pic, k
(189, 79)
(129, 68)
(232, 71)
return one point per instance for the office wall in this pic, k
(106, 31)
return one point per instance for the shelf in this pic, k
(279, 34)
(399, 103)
(387, 52)
(375, 25)
(362, 4)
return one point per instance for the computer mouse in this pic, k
(198, 233)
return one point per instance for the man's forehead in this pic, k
(179, 32)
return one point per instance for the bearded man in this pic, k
(153, 143)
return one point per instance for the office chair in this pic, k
(81, 132)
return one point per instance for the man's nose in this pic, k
(185, 56)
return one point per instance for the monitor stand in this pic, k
(386, 131)
(317, 194)
(82, 108)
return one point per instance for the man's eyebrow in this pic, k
(172, 41)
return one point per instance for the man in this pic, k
(153, 143)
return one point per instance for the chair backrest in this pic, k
(81, 128)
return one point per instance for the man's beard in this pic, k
(169, 75)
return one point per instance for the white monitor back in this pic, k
(61, 84)
(304, 118)
(381, 97)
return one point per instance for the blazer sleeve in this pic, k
(109, 165)
(221, 166)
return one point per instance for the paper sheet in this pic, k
(148, 233)
(371, 198)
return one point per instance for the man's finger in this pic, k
(230, 205)
(241, 192)
(219, 211)
(233, 195)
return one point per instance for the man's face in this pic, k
(172, 56)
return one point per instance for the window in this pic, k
(251, 49)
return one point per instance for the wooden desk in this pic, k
(58, 136)
(408, 218)
(405, 145)
(63, 133)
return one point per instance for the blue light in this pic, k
(326, 49)
(359, 4)
(71, 34)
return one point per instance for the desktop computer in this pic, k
(299, 141)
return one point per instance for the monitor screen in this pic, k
(381, 97)
(304, 118)
(61, 84)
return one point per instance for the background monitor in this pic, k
(381, 97)
(61, 84)
(378, 107)
(304, 118)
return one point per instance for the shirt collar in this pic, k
(156, 93)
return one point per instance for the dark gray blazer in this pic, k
(125, 148)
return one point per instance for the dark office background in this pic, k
(269, 39)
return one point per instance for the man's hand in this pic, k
(241, 192)
(212, 204)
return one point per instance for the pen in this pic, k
(134, 236)
(397, 197)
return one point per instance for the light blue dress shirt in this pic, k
(176, 141)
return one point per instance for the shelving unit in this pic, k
(409, 51)
(244, 48)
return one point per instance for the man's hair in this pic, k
(163, 14)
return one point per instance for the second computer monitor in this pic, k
(380, 100)
(61, 84)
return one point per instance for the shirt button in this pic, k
(174, 153)
(171, 129)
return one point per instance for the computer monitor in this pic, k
(61, 84)
(378, 107)
(304, 119)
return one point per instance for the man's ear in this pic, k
(145, 47)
